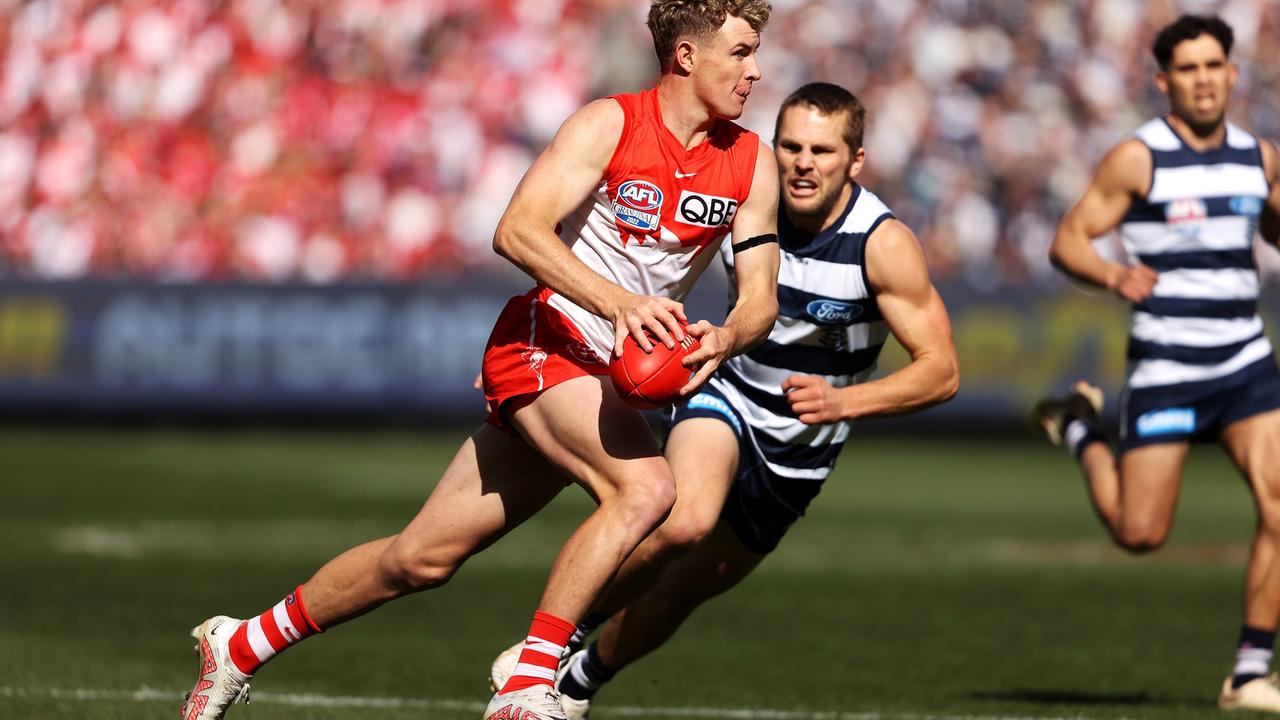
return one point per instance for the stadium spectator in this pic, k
(357, 139)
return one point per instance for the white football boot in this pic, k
(218, 682)
(539, 702)
(1258, 695)
(503, 666)
(574, 709)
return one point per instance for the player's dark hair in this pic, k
(1190, 27)
(671, 21)
(829, 99)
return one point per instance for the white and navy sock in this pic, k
(1253, 655)
(586, 676)
(1079, 435)
(584, 629)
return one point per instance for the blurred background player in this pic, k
(751, 450)
(1188, 193)
(612, 221)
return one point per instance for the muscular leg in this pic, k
(713, 566)
(1135, 499)
(1254, 446)
(703, 454)
(606, 446)
(494, 483)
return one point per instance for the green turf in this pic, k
(947, 578)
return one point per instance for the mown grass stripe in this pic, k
(146, 694)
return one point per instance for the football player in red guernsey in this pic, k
(614, 221)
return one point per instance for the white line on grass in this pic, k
(146, 694)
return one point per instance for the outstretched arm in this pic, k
(1269, 225)
(756, 274)
(916, 316)
(1123, 173)
(555, 185)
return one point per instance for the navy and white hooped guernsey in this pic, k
(828, 325)
(1196, 227)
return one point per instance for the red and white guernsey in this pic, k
(648, 227)
(658, 208)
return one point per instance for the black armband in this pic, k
(752, 242)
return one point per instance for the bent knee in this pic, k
(409, 569)
(682, 530)
(1139, 539)
(1266, 497)
(1269, 520)
(648, 502)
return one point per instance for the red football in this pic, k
(650, 380)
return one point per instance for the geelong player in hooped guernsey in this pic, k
(1195, 228)
(1188, 193)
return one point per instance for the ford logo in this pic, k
(833, 312)
(1245, 205)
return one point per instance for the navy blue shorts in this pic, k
(761, 505)
(1197, 411)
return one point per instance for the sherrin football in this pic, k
(651, 380)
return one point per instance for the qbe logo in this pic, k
(638, 205)
(709, 211)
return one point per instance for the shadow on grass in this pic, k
(1072, 697)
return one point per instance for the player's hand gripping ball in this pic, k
(651, 380)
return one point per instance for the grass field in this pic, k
(937, 578)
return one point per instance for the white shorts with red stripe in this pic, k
(533, 347)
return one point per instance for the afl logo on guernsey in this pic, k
(832, 312)
(1187, 215)
(638, 205)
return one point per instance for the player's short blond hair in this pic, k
(671, 21)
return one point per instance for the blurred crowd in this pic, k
(381, 139)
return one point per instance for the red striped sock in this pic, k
(541, 655)
(257, 640)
